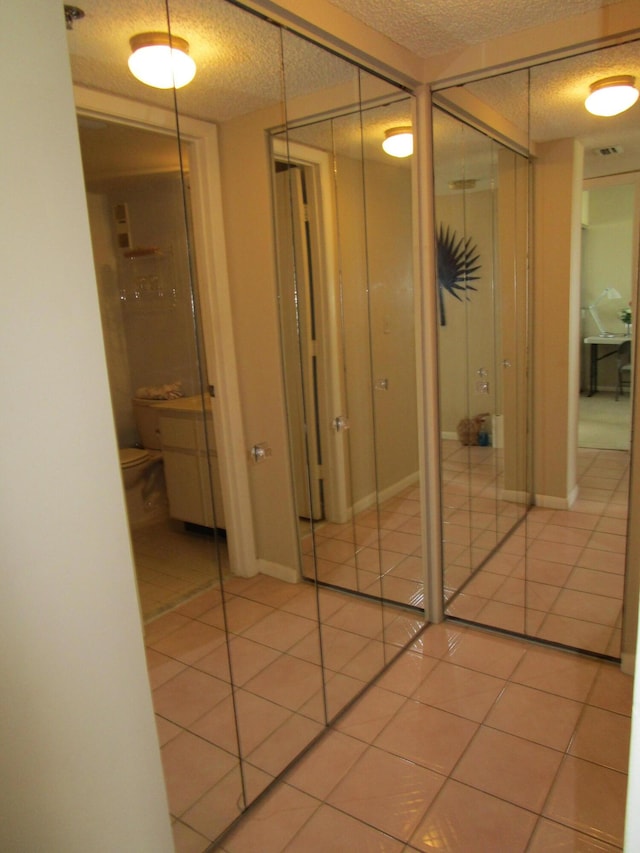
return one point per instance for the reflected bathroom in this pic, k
(153, 348)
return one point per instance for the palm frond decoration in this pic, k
(457, 262)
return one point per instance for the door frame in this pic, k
(337, 498)
(214, 293)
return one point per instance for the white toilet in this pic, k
(142, 469)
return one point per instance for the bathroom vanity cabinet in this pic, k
(191, 461)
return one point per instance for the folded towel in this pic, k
(170, 391)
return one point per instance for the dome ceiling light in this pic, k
(398, 141)
(612, 95)
(161, 60)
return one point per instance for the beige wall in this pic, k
(390, 255)
(352, 265)
(466, 342)
(514, 366)
(375, 261)
(556, 294)
(381, 250)
(247, 205)
(81, 766)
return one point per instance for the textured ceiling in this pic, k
(430, 27)
(237, 55)
(246, 64)
(555, 107)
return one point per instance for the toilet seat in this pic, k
(132, 456)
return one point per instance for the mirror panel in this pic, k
(351, 286)
(135, 181)
(555, 584)
(482, 233)
(273, 634)
(243, 676)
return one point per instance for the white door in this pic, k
(299, 331)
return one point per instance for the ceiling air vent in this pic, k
(608, 150)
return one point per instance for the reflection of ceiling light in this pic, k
(161, 60)
(612, 96)
(398, 141)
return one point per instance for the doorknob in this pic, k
(340, 423)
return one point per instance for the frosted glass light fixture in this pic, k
(161, 60)
(612, 96)
(607, 293)
(398, 141)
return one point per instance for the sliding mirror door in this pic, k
(137, 181)
(243, 676)
(482, 238)
(563, 580)
(346, 297)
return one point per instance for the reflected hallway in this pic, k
(560, 575)
(378, 554)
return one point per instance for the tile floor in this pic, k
(469, 742)
(173, 564)
(560, 575)
(281, 699)
(378, 553)
(469, 736)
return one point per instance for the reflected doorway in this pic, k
(348, 339)
(153, 345)
(609, 222)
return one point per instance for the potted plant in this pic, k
(625, 316)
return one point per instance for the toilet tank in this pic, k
(146, 414)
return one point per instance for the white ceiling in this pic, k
(239, 72)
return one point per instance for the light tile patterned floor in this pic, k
(425, 759)
(560, 575)
(173, 564)
(378, 553)
(470, 742)
(281, 698)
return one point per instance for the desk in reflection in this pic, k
(612, 344)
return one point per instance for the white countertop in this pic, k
(186, 405)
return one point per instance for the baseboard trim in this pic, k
(371, 500)
(279, 571)
(553, 502)
(628, 663)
